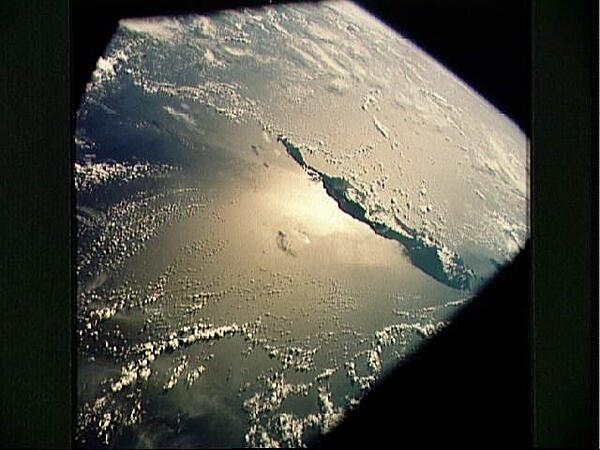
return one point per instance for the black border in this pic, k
(595, 224)
(562, 223)
(35, 216)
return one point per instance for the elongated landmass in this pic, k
(424, 252)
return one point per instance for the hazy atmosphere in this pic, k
(274, 207)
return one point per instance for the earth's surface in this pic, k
(274, 207)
